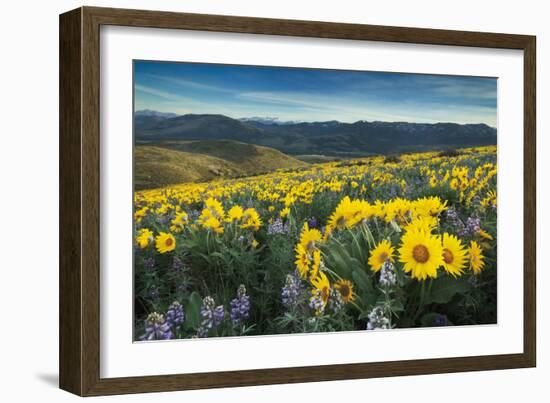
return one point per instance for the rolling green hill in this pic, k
(164, 163)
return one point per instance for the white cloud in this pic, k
(188, 83)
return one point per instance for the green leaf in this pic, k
(397, 306)
(365, 230)
(445, 288)
(193, 311)
(395, 226)
(367, 291)
(356, 248)
(361, 280)
(340, 265)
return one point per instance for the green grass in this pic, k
(171, 162)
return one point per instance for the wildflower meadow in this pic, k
(350, 245)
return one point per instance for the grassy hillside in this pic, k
(164, 163)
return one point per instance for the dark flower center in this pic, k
(345, 290)
(448, 256)
(421, 254)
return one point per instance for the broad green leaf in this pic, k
(193, 311)
(445, 288)
(361, 280)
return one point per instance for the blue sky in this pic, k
(313, 94)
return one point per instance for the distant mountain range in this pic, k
(266, 120)
(151, 113)
(330, 138)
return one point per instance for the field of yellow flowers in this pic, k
(372, 243)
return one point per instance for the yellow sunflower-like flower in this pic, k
(424, 223)
(215, 206)
(235, 213)
(251, 219)
(380, 254)
(421, 253)
(490, 200)
(139, 214)
(345, 288)
(309, 237)
(213, 224)
(179, 221)
(302, 260)
(427, 206)
(316, 263)
(476, 257)
(144, 237)
(484, 234)
(165, 242)
(454, 255)
(284, 212)
(360, 210)
(213, 209)
(397, 209)
(321, 286)
(341, 216)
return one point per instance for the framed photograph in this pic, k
(249, 201)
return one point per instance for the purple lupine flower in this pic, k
(441, 320)
(240, 306)
(452, 214)
(163, 219)
(472, 225)
(175, 315)
(277, 227)
(219, 314)
(202, 332)
(316, 303)
(154, 292)
(156, 328)
(377, 319)
(149, 263)
(388, 277)
(193, 215)
(291, 290)
(207, 312)
(312, 222)
(177, 264)
(455, 221)
(335, 301)
(211, 316)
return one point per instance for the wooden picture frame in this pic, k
(80, 187)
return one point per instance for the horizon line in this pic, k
(277, 120)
